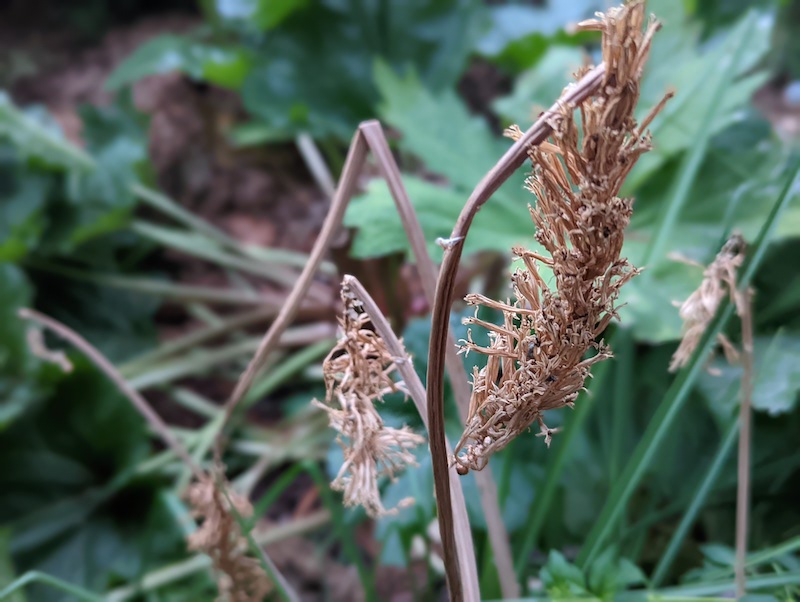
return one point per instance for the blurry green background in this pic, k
(153, 197)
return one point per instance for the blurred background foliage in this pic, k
(136, 241)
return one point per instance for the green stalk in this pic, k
(346, 539)
(54, 582)
(196, 246)
(696, 505)
(149, 286)
(724, 587)
(669, 409)
(167, 575)
(280, 485)
(286, 370)
(166, 205)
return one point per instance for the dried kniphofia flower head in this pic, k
(719, 281)
(358, 372)
(540, 356)
(240, 578)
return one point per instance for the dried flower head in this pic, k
(240, 578)
(719, 281)
(358, 372)
(537, 358)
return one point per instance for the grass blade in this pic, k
(696, 505)
(54, 582)
(670, 406)
(655, 251)
(555, 468)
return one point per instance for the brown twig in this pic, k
(745, 308)
(139, 402)
(487, 488)
(464, 546)
(443, 300)
(347, 185)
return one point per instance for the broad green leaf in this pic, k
(23, 193)
(776, 384)
(538, 88)
(380, 232)
(518, 35)
(74, 507)
(725, 197)
(315, 71)
(452, 143)
(15, 292)
(226, 67)
(674, 130)
(438, 128)
(676, 395)
(37, 137)
(562, 579)
(262, 14)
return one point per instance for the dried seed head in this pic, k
(538, 358)
(719, 281)
(240, 577)
(358, 372)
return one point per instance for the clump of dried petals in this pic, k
(240, 578)
(719, 281)
(358, 372)
(538, 358)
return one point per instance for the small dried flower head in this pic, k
(240, 578)
(541, 354)
(719, 281)
(358, 372)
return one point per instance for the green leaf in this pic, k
(7, 572)
(37, 137)
(675, 397)
(263, 14)
(23, 194)
(701, 71)
(776, 385)
(561, 579)
(315, 71)
(537, 88)
(69, 495)
(226, 67)
(380, 231)
(439, 130)
(517, 35)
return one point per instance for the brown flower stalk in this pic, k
(358, 372)
(240, 578)
(538, 358)
(719, 281)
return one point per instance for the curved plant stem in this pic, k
(347, 185)
(443, 300)
(139, 402)
(464, 546)
(459, 382)
(745, 310)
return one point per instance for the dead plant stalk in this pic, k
(580, 221)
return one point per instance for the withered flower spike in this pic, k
(538, 357)
(719, 281)
(358, 372)
(240, 577)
